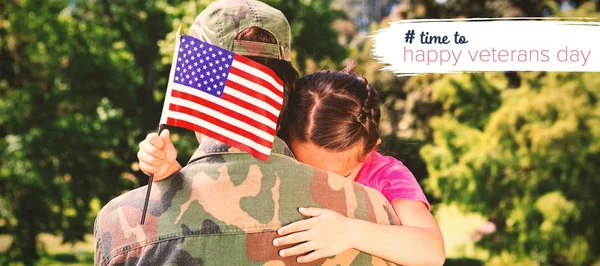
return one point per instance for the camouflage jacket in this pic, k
(224, 208)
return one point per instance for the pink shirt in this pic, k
(391, 178)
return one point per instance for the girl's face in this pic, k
(343, 163)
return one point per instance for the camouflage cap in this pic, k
(222, 20)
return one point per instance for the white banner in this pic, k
(446, 46)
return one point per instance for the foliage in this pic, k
(518, 148)
(521, 149)
(531, 167)
(81, 83)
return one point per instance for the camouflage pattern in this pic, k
(224, 208)
(222, 20)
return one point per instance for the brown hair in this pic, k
(334, 110)
(283, 69)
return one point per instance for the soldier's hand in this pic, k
(157, 155)
(325, 234)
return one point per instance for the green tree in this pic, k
(76, 78)
(313, 37)
(81, 83)
(529, 163)
(519, 148)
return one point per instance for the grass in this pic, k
(58, 254)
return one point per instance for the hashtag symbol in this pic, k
(409, 36)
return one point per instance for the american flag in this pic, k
(224, 96)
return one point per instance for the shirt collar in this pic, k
(211, 147)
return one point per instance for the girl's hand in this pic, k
(157, 155)
(326, 234)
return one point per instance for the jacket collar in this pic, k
(211, 147)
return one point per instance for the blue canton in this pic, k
(202, 66)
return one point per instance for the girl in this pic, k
(334, 125)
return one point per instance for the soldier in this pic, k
(225, 206)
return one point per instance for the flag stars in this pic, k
(203, 67)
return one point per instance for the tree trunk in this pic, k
(25, 241)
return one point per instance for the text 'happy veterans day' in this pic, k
(445, 57)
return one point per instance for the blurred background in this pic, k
(511, 161)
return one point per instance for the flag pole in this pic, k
(150, 181)
(161, 127)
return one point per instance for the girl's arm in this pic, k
(418, 241)
(157, 156)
